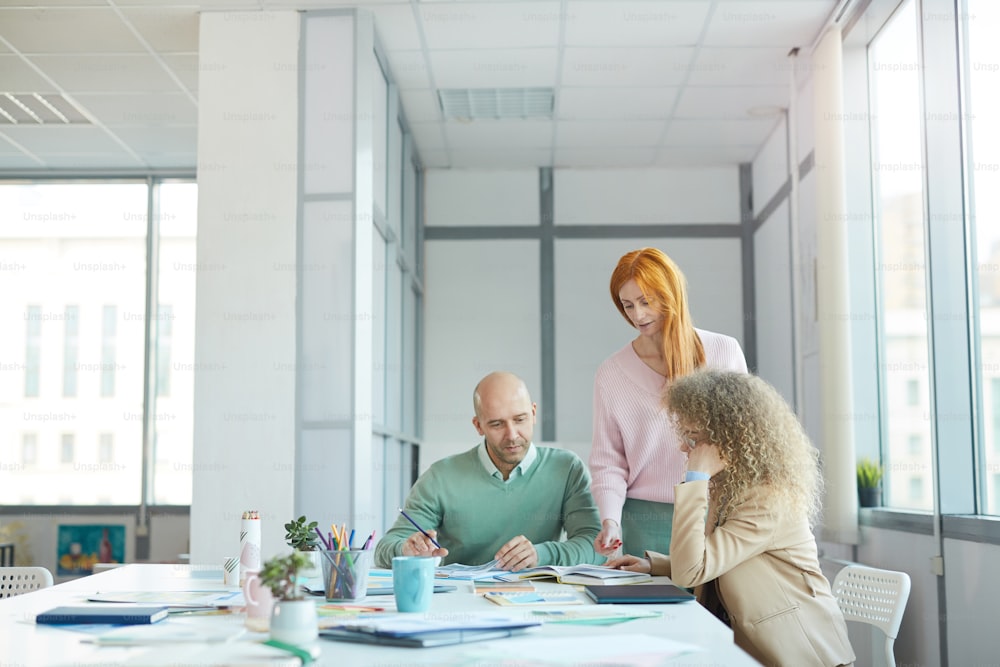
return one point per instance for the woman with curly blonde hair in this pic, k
(742, 521)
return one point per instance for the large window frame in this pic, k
(147, 470)
(957, 389)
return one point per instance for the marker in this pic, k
(417, 526)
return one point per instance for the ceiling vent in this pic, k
(38, 109)
(496, 103)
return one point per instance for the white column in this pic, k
(245, 334)
(840, 520)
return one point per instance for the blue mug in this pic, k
(413, 582)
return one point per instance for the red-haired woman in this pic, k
(634, 458)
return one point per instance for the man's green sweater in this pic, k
(475, 514)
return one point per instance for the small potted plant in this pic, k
(293, 619)
(301, 535)
(869, 483)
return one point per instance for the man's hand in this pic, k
(630, 563)
(609, 540)
(419, 544)
(518, 554)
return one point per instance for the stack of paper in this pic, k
(470, 572)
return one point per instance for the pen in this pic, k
(417, 526)
(350, 540)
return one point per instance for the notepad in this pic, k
(531, 598)
(588, 575)
(645, 594)
(112, 615)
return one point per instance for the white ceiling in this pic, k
(637, 82)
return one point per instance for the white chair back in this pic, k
(17, 580)
(876, 597)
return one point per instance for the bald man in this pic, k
(505, 499)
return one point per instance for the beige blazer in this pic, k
(764, 570)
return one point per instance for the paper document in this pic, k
(175, 598)
(470, 572)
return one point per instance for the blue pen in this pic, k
(350, 540)
(417, 526)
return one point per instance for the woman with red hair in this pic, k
(635, 460)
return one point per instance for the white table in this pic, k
(24, 643)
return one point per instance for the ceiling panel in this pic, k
(104, 73)
(521, 68)
(420, 105)
(619, 104)
(409, 69)
(493, 25)
(604, 157)
(60, 30)
(17, 76)
(728, 101)
(765, 23)
(140, 110)
(500, 158)
(165, 29)
(755, 66)
(608, 133)
(614, 67)
(632, 24)
(702, 156)
(750, 132)
(397, 26)
(493, 134)
(62, 139)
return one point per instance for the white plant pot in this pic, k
(294, 621)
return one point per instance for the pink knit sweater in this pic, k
(635, 451)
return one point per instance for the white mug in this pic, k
(259, 603)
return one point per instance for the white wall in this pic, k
(971, 596)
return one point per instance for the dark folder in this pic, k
(637, 594)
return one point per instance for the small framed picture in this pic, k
(80, 546)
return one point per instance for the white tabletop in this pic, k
(27, 644)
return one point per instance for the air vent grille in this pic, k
(38, 109)
(496, 103)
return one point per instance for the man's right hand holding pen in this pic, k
(419, 544)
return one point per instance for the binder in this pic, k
(116, 615)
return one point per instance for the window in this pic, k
(32, 351)
(106, 448)
(916, 445)
(983, 101)
(29, 449)
(164, 324)
(67, 448)
(82, 299)
(71, 344)
(108, 366)
(898, 195)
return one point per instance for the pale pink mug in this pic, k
(259, 603)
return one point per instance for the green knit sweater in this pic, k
(476, 514)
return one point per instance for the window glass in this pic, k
(73, 270)
(898, 179)
(983, 81)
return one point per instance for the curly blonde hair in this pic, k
(758, 435)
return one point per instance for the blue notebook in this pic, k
(111, 615)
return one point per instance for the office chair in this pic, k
(18, 580)
(876, 597)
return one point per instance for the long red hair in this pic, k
(664, 286)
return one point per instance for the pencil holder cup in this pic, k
(345, 574)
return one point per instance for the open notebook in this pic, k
(588, 575)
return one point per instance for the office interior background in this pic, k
(256, 254)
